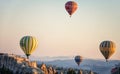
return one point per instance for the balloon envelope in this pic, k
(107, 49)
(71, 7)
(78, 59)
(28, 44)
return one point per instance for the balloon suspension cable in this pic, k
(79, 65)
(27, 57)
(70, 16)
(106, 60)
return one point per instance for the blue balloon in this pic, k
(78, 59)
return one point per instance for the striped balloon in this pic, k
(107, 48)
(78, 59)
(28, 44)
(71, 7)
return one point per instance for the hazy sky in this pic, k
(57, 33)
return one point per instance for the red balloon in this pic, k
(71, 7)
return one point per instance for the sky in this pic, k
(59, 35)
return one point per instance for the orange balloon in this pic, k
(71, 7)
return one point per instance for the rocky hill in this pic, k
(18, 65)
(14, 64)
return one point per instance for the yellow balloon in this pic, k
(107, 49)
(28, 44)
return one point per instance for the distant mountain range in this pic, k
(99, 65)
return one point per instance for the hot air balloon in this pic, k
(71, 7)
(78, 59)
(28, 44)
(107, 49)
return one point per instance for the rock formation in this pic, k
(18, 65)
(47, 70)
(44, 68)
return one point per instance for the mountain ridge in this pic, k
(99, 66)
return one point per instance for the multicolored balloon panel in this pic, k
(28, 44)
(71, 7)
